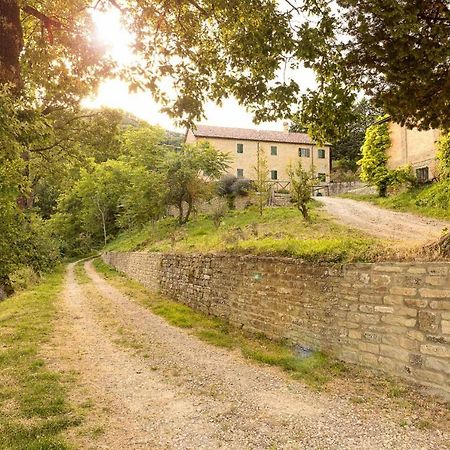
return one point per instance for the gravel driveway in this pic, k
(168, 390)
(383, 223)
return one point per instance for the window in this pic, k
(322, 177)
(240, 173)
(422, 175)
(274, 175)
(273, 150)
(321, 153)
(240, 148)
(305, 152)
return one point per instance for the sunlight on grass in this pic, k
(33, 405)
(277, 231)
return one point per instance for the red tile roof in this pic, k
(247, 134)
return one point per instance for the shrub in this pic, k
(374, 159)
(444, 155)
(231, 187)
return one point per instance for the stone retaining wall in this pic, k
(390, 316)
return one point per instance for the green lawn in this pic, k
(429, 201)
(34, 411)
(280, 231)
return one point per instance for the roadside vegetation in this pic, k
(279, 231)
(423, 201)
(431, 200)
(34, 410)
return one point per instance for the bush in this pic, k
(436, 196)
(231, 187)
(444, 156)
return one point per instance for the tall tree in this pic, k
(212, 49)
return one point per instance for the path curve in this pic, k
(383, 223)
(186, 394)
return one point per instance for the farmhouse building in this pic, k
(279, 147)
(415, 148)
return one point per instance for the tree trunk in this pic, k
(382, 190)
(189, 210)
(304, 210)
(11, 42)
(180, 213)
(105, 236)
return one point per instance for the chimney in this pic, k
(286, 127)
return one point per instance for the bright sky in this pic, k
(114, 93)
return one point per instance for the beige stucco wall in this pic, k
(286, 153)
(412, 147)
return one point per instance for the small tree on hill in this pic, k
(187, 174)
(302, 183)
(262, 179)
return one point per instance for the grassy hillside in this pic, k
(429, 201)
(278, 231)
(34, 411)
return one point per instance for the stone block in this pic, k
(393, 299)
(438, 270)
(384, 309)
(416, 360)
(416, 302)
(354, 334)
(442, 351)
(399, 290)
(440, 304)
(428, 321)
(417, 270)
(348, 355)
(372, 336)
(371, 298)
(398, 320)
(387, 268)
(445, 326)
(381, 280)
(435, 293)
(369, 347)
(394, 352)
(368, 359)
(440, 365)
(436, 281)
(430, 376)
(361, 318)
(416, 335)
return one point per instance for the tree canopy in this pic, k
(252, 50)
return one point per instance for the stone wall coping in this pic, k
(288, 259)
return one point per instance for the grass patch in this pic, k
(80, 273)
(315, 370)
(34, 411)
(416, 201)
(277, 231)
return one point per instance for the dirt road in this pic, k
(383, 223)
(157, 387)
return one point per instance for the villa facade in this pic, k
(280, 148)
(415, 148)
